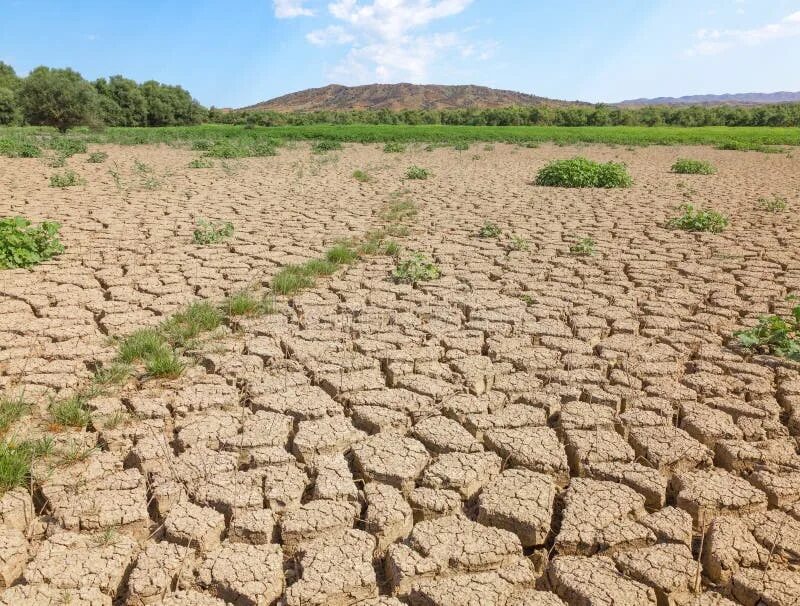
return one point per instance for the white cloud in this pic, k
(711, 42)
(288, 9)
(333, 34)
(388, 42)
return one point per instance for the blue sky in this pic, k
(232, 53)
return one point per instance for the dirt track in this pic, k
(531, 427)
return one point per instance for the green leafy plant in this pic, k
(698, 220)
(67, 146)
(321, 147)
(212, 232)
(68, 178)
(23, 245)
(97, 157)
(519, 243)
(581, 172)
(14, 148)
(201, 163)
(490, 230)
(585, 247)
(775, 335)
(394, 147)
(687, 166)
(415, 172)
(414, 269)
(361, 176)
(775, 204)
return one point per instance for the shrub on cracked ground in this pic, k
(416, 268)
(321, 147)
(687, 166)
(97, 157)
(694, 219)
(23, 245)
(581, 172)
(416, 172)
(208, 232)
(775, 335)
(68, 178)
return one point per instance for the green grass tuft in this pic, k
(97, 157)
(245, 303)
(291, 279)
(775, 204)
(361, 176)
(341, 254)
(585, 247)
(70, 412)
(12, 409)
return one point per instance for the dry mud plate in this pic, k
(531, 428)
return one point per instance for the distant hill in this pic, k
(731, 99)
(399, 97)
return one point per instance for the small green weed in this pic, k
(698, 220)
(140, 345)
(415, 172)
(70, 412)
(580, 172)
(164, 363)
(490, 230)
(687, 166)
(113, 374)
(97, 157)
(775, 335)
(212, 232)
(320, 267)
(12, 409)
(291, 279)
(341, 253)
(585, 247)
(775, 204)
(185, 325)
(394, 147)
(201, 163)
(414, 269)
(23, 245)
(361, 176)
(322, 147)
(68, 178)
(461, 146)
(245, 303)
(519, 243)
(16, 460)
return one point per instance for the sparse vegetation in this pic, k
(698, 220)
(361, 176)
(246, 303)
(394, 147)
(775, 335)
(16, 459)
(490, 230)
(291, 279)
(584, 247)
(201, 163)
(341, 253)
(687, 166)
(519, 243)
(97, 157)
(581, 172)
(187, 324)
(415, 172)
(414, 269)
(12, 409)
(775, 204)
(70, 412)
(208, 232)
(113, 373)
(22, 244)
(461, 146)
(68, 178)
(164, 363)
(322, 147)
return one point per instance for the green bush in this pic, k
(687, 166)
(581, 172)
(698, 220)
(321, 147)
(68, 178)
(14, 148)
(97, 157)
(67, 146)
(59, 98)
(394, 147)
(212, 233)
(416, 268)
(23, 245)
(415, 172)
(775, 335)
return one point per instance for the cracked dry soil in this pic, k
(532, 428)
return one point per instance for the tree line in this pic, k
(785, 114)
(63, 98)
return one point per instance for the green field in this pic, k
(756, 138)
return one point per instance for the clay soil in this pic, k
(533, 427)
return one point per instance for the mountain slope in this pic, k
(399, 97)
(729, 99)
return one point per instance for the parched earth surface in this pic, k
(532, 428)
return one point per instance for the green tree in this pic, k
(58, 97)
(8, 107)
